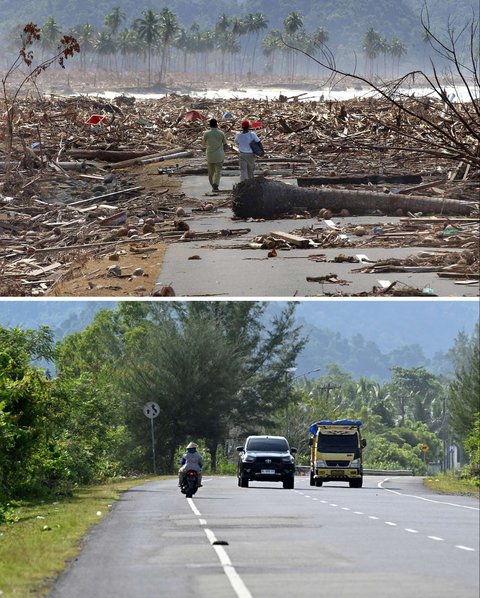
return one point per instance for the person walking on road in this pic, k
(215, 141)
(246, 154)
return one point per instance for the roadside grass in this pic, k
(45, 535)
(452, 483)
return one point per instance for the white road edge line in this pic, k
(234, 578)
(439, 502)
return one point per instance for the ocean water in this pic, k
(456, 94)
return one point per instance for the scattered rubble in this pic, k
(84, 181)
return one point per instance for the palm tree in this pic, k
(227, 43)
(292, 24)
(397, 49)
(85, 35)
(182, 43)
(272, 42)
(371, 46)
(239, 28)
(127, 44)
(384, 49)
(149, 31)
(50, 35)
(257, 22)
(223, 24)
(104, 46)
(114, 19)
(168, 30)
(318, 40)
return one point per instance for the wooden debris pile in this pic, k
(73, 187)
(40, 241)
(358, 136)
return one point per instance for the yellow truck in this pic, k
(336, 452)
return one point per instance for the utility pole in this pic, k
(328, 387)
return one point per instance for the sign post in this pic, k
(424, 448)
(152, 410)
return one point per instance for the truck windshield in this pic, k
(329, 443)
(267, 444)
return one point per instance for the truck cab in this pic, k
(336, 452)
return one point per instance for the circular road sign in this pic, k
(151, 409)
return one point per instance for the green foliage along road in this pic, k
(218, 371)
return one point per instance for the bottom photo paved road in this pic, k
(391, 538)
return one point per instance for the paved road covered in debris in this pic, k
(225, 266)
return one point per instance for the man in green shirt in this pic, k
(215, 141)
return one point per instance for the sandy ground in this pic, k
(91, 277)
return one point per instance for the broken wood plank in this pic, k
(112, 194)
(418, 187)
(116, 156)
(291, 239)
(134, 161)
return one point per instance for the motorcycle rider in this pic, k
(191, 459)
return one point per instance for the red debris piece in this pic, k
(95, 119)
(193, 115)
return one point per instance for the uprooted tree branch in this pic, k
(31, 34)
(442, 127)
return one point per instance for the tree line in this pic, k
(218, 371)
(236, 46)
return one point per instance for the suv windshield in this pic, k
(267, 444)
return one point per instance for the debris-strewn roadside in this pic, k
(93, 179)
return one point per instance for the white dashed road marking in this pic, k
(392, 523)
(234, 578)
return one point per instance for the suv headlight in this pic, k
(287, 459)
(249, 460)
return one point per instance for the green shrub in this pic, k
(472, 446)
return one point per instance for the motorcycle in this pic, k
(190, 483)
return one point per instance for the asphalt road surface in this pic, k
(390, 539)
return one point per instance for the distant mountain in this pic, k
(389, 324)
(62, 316)
(368, 338)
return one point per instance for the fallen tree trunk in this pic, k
(117, 156)
(265, 198)
(374, 179)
